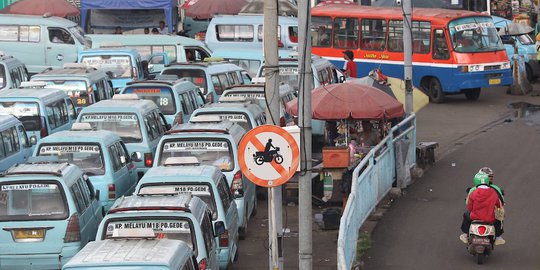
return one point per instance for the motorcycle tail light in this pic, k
(482, 230)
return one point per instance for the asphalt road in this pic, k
(420, 231)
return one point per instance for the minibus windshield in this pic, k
(119, 65)
(76, 90)
(125, 125)
(161, 96)
(209, 152)
(87, 156)
(196, 76)
(32, 200)
(26, 112)
(474, 34)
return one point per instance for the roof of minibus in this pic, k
(7, 121)
(193, 203)
(250, 19)
(48, 95)
(439, 15)
(211, 67)
(217, 108)
(70, 74)
(249, 54)
(68, 172)
(142, 252)
(114, 105)
(109, 50)
(186, 173)
(132, 40)
(81, 136)
(35, 20)
(179, 86)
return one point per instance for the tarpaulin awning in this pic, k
(60, 8)
(167, 5)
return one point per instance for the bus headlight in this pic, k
(505, 65)
(473, 68)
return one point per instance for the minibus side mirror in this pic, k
(341, 79)
(33, 140)
(219, 228)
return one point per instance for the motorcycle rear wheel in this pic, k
(259, 160)
(480, 258)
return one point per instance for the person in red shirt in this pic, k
(350, 66)
(481, 206)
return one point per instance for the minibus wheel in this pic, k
(436, 93)
(472, 94)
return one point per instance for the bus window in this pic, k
(373, 34)
(321, 31)
(260, 32)
(474, 34)
(293, 34)
(421, 36)
(234, 32)
(346, 33)
(440, 47)
(395, 36)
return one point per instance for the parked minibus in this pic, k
(41, 41)
(41, 111)
(85, 86)
(15, 147)
(246, 32)
(454, 51)
(12, 72)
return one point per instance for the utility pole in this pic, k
(270, 46)
(407, 51)
(305, 252)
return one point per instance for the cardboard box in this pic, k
(336, 157)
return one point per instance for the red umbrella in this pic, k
(205, 9)
(350, 101)
(60, 8)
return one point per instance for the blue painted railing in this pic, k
(372, 180)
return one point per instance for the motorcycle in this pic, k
(261, 157)
(481, 240)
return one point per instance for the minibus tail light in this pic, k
(202, 264)
(224, 239)
(148, 162)
(280, 44)
(112, 191)
(237, 187)
(43, 131)
(73, 231)
(282, 121)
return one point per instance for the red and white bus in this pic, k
(454, 51)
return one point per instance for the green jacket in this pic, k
(495, 187)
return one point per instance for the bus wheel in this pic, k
(472, 94)
(435, 91)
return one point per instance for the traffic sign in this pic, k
(268, 156)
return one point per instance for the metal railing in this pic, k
(372, 180)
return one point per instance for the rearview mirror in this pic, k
(219, 228)
(136, 156)
(33, 140)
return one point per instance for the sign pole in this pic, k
(407, 45)
(305, 249)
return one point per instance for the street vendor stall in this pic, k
(350, 110)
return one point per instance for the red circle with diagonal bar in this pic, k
(268, 156)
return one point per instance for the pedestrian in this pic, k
(146, 30)
(118, 30)
(350, 66)
(155, 31)
(162, 29)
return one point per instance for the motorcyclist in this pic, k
(481, 205)
(268, 146)
(489, 172)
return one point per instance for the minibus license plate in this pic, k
(494, 81)
(29, 234)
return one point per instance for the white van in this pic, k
(241, 32)
(41, 41)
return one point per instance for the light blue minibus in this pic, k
(41, 111)
(100, 154)
(41, 42)
(139, 123)
(15, 147)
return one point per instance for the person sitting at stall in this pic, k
(369, 137)
(331, 133)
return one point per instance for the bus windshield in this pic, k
(474, 34)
